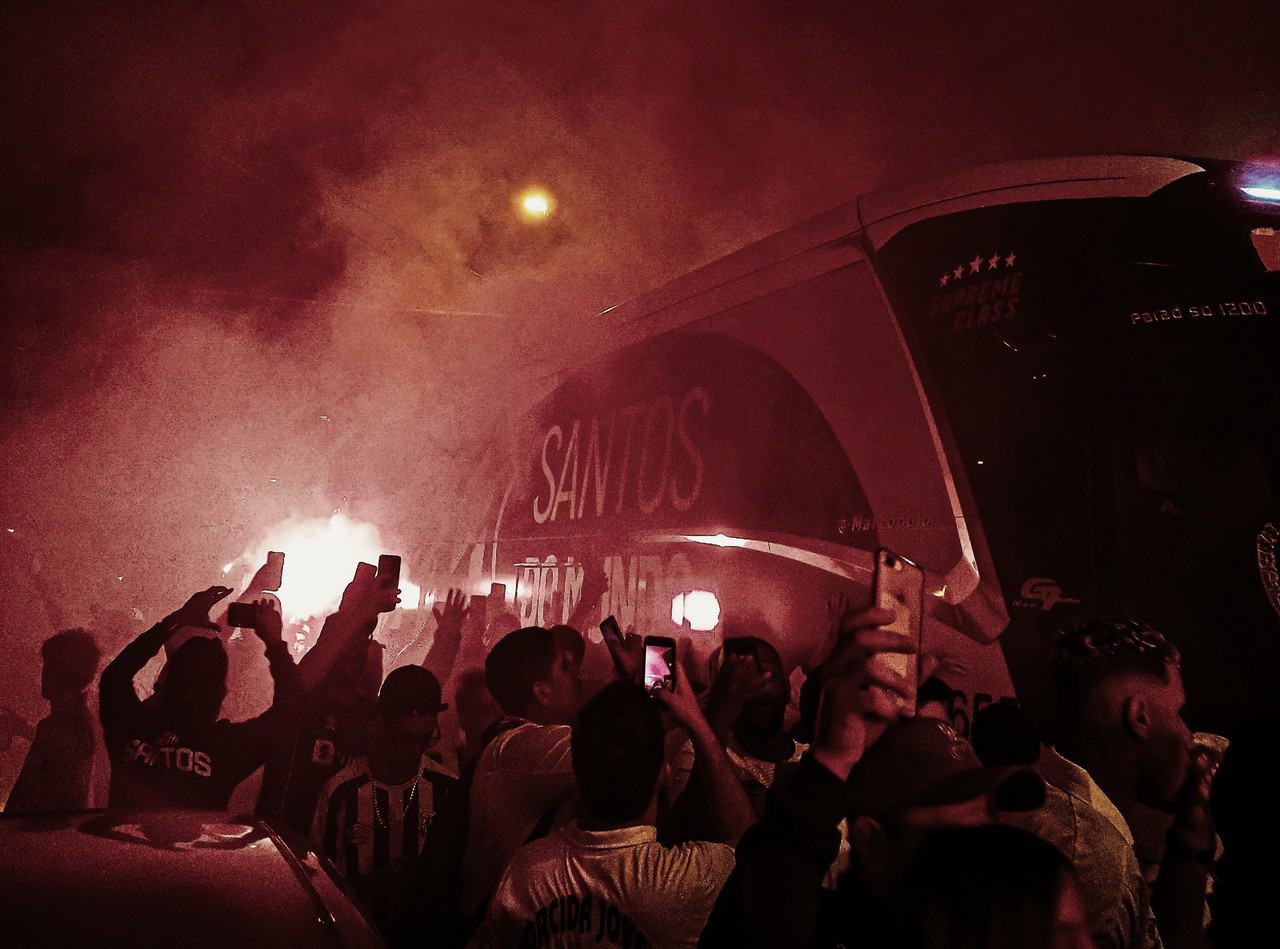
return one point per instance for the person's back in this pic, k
(617, 886)
(1116, 901)
(606, 877)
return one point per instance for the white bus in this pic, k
(1052, 384)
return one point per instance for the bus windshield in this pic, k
(1107, 368)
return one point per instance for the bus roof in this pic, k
(884, 213)
(746, 272)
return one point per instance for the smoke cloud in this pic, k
(261, 261)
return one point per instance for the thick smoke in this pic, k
(260, 261)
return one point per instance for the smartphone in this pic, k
(389, 571)
(659, 663)
(610, 630)
(242, 615)
(899, 588)
(364, 573)
(273, 576)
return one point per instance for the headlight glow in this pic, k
(1263, 194)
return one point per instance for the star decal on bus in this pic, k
(975, 266)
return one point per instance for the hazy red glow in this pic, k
(320, 558)
(260, 263)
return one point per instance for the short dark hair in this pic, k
(570, 639)
(1007, 895)
(618, 751)
(71, 658)
(1096, 650)
(516, 662)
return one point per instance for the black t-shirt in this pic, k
(321, 736)
(155, 763)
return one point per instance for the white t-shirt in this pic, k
(522, 773)
(605, 888)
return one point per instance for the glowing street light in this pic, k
(535, 205)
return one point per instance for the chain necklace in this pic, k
(377, 812)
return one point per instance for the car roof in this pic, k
(189, 879)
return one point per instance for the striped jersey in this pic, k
(362, 824)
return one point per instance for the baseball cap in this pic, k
(409, 690)
(922, 762)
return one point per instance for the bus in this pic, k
(1051, 383)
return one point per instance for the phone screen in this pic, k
(659, 663)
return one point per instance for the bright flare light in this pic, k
(699, 607)
(320, 559)
(535, 204)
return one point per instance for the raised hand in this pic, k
(1192, 820)
(740, 680)
(195, 612)
(628, 656)
(365, 596)
(681, 700)
(860, 695)
(456, 608)
(267, 622)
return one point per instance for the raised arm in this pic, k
(443, 654)
(771, 898)
(1178, 896)
(362, 602)
(268, 627)
(586, 612)
(115, 688)
(738, 681)
(713, 782)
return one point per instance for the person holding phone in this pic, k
(747, 707)
(606, 874)
(339, 678)
(892, 775)
(177, 753)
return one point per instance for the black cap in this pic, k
(409, 690)
(922, 762)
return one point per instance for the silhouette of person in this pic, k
(58, 771)
(178, 753)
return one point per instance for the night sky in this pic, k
(261, 261)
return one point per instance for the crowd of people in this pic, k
(575, 813)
